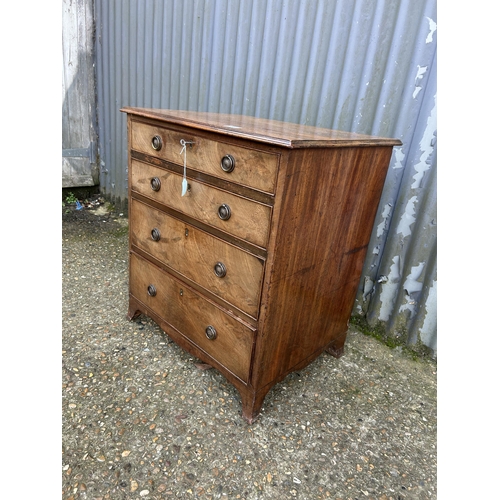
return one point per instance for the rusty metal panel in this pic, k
(365, 66)
(399, 291)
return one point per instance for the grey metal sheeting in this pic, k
(365, 66)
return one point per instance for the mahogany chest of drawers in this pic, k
(248, 236)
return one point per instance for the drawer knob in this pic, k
(155, 234)
(227, 163)
(156, 143)
(224, 212)
(220, 270)
(155, 184)
(151, 290)
(211, 333)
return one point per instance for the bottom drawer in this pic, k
(222, 337)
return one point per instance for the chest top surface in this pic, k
(273, 132)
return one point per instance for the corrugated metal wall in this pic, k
(365, 66)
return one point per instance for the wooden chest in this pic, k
(254, 267)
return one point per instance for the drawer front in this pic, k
(249, 167)
(227, 271)
(247, 220)
(191, 315)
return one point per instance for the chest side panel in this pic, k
(328, 203)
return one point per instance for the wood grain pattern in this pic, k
(249, 247)
(194, 253)
(324, 230)
(190, 314)
(249, 220)
(313, 235)
(224, 184)
(288, 135)
(205, 155)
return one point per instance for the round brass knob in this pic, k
(156, 143)
(227, 163)
(220, 270)
(155, 234)
(155, 184)
(151, 290)
(211, 333)
(224, 212)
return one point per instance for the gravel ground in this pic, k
(142, 419)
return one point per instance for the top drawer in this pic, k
(249, 167)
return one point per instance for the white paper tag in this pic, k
(184, 180)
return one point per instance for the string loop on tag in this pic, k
(183, 150)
